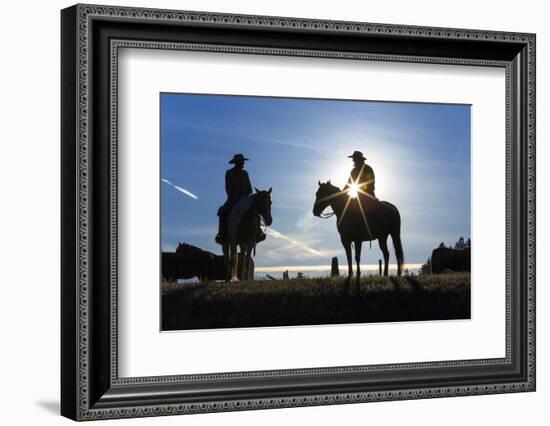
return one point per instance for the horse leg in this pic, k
(383, 243)
(242, 266)
(238, 264)
(226, 261)
(242, 275)
(347, 248)
(229, 263)
(230, 260)
(247, 257)
(358, 245)
(234, 262)
(396, 238)
(249, 267)
(202, 272)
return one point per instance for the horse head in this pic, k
(263, 205)
(184, 248)
(324, 197)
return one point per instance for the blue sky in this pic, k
(420, 154)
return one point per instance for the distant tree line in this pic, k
(461, 244)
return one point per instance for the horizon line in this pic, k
(322, 268)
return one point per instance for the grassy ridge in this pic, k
(315, 301)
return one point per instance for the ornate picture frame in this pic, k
(91, 38)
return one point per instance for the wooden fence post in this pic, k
(334, 270)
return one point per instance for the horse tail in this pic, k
(396, 239)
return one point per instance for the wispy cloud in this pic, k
(186, 231)
(306, 222)
(253, 135)
(180, 189)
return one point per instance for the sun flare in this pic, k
(353, 190)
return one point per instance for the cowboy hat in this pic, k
(238, 157)
(357, 155)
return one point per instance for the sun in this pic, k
(353, 190)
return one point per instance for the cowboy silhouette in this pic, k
(237, 186)
(361, 174)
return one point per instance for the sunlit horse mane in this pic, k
(364, 218)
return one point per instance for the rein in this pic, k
(263, 226)
(326, 215)
(262, 221)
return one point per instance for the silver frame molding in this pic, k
(91, 388)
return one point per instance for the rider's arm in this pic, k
(369, 178)
(248, 185)
(228, 183)
(369, 174)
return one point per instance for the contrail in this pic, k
(180, 189)
(270, 231)
(277, 234)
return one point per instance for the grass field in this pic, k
(315, 301)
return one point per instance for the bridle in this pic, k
(323, 215)
(263, 226)
(326, 215)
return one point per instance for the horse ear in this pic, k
(328, 181)
(269, 190)
(256, 189)
(319, 182)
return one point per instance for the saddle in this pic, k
(234, 216)
(236, 213)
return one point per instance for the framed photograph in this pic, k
(263, 212)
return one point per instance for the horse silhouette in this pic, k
(361, 219)
(187, 262)
(444, 258)
(243, 226)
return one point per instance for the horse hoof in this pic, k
(234, 280)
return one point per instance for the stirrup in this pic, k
(219, 238)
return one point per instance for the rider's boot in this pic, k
(220, 237)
